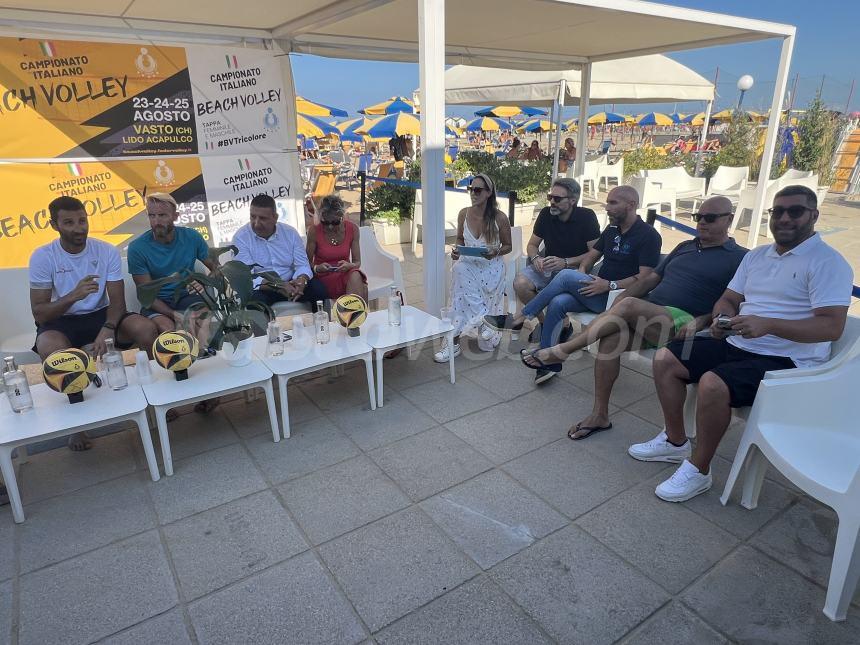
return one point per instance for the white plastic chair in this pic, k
(678, 180)
(590, 174)
(381, 268)
(653, 196)
(728, 181)
(817, 448)
(609, 171)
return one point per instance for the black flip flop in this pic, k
(552, 367)
(591, 430)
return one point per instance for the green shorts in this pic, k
(679, 319)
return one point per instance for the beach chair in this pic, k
(728, 181)
(382, 269)
(324, 184)
(609, 171)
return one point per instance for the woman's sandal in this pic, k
(552, 367)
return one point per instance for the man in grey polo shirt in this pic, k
(786, 303)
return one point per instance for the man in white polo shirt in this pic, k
(77, 293)
(278, 247)
(786, 303)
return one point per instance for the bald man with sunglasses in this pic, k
(673, 302)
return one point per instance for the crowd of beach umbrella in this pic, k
(398, 116)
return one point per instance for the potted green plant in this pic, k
(226, 303)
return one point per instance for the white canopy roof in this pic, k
(644, 79)
(536, 34)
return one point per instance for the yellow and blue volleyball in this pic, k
(350, 310)
(69, 371)
(175, 350)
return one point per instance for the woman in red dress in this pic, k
(335, 251)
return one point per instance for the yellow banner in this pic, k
(112, 193)
(61, 98)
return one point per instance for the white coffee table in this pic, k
(415, 326)
(207, 378)
(304, 356)
(53, 416)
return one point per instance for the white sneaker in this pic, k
(684, 484)
(659, 449)
(486, 332)
(444, 355)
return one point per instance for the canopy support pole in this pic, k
(552, 111)
(582, 130)
(431, 70)
(703, 137)
(770, 140)
(562, 87)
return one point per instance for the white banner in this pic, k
(238, 100)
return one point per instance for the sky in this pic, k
(827, 31)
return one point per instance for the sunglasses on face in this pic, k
(331, 223)
(555, 199)
(710, 218)
(476, 190)
(794, 212)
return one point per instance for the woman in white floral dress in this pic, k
(478, 282)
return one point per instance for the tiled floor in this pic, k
(454, 514)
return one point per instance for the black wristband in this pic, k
(109, 325)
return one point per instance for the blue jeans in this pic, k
(560, 297)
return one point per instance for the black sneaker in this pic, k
(502, 323)
(542, 376)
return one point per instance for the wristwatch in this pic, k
(613, 285)
(109, 325)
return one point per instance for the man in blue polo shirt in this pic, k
(630, 250)
(785, 304)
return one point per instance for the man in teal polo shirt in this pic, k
(162, 251)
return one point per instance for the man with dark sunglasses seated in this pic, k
(784, 306)
(673, 302)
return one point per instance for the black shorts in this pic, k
(181, 305)
(82, 329)
(741, 371)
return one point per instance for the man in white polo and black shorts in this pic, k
(77, 293)
(784, 306)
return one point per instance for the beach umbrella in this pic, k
(452, 132)
(536, 126)
(694, 119)
(311, 126)
(393, 125)
(394, 105)
(312, 108)
(655, 118)
(602, 118)
(677, 117)
(728, 115)
(507, 111)
(487, 124)
(571, 124)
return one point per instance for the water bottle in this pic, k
(321, 324)
(17, 388)
(142, 369)
(395, 304)
(298, 330)
(276, 338)
(112, 360)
